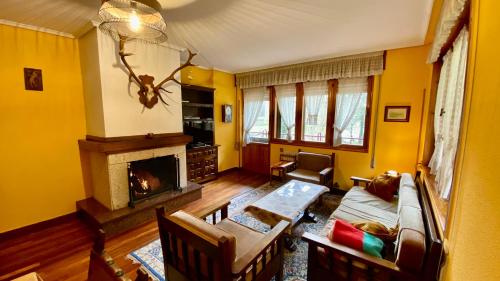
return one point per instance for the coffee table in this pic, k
(289, 202)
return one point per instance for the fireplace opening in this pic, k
(151, 177)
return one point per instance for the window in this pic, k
(315, 111)
(351, 102)
(448, 113)
(327, 114)
(260, 130)
(255, 115)
(285, 108)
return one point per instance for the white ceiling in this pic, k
(241, 35)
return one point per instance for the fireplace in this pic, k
(151, 177)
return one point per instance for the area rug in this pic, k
(295, 264)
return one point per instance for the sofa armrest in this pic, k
(352, 255)
(358, 180)
(259, 249)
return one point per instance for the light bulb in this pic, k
(135, 22)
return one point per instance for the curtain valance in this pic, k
(450, 15)
(343, 67)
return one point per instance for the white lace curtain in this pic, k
(253, 100)
(448, 113)
(348, 99)
(315, 97)
(286, 98)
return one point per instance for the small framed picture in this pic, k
(227, 113)
(33, 79)
(397, 114)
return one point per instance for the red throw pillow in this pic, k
(384, 186)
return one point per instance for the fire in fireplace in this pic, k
(151, 177)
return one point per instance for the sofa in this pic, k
(314, 168)
(415, 255)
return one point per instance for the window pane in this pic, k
(315, 111)
(354, 134)
(350, 112)
(260, 131)
(285, 111)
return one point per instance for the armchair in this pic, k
(102, 267)
(314, 168)
(194, 249)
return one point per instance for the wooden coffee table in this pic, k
(290, 203)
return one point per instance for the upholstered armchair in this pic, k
(313, 168)
(194, 249)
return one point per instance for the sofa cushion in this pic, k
(245, 237)
(352, 211)
(360, 195)
(304, 175)
(313, 161)
(408, 197)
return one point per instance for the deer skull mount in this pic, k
(149, 93)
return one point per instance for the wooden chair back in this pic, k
(103, 268)
(205, 261)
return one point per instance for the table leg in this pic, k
(309, 216)
(289, 244)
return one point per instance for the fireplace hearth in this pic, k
(150, 177)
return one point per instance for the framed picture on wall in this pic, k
(227, 113)
(33, 79)
(397, 114)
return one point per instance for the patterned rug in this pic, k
(295, 266)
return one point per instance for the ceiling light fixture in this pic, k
(133, 19)
(125, 20)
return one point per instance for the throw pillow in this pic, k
(378, 230)
(384, 186)
(344, 233)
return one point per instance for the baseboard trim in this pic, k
(37, 226)
(228, 171)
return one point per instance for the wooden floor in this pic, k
(62, 252)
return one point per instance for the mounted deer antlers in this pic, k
(148, 92)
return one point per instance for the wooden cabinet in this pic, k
(202, 163)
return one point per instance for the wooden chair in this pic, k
(194, 249)
(103, 268)
(314, 168)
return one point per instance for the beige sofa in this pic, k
(412, 258)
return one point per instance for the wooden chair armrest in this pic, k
(358, 180)
(355, 255)
(326, 171)
(288, 167)
(212, 210)
(259, 249)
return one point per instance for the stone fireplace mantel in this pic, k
(132, 143)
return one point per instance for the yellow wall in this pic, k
(402, 83)
(225, 93)
(474, 222)
(40, 165)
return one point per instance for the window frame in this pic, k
(299, 119)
